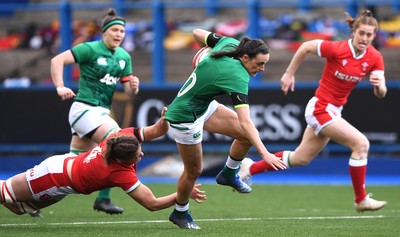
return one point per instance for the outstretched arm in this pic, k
(145, 197)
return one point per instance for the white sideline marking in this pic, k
(199, 220)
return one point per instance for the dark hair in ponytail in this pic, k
(248, 46)
(122, 148)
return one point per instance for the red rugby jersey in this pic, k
(344, 70)
(90, 173)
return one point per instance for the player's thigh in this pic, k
(21, 188)
(224, 121)
(344, 133)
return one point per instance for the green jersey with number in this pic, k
(211, 78)
(100, 70)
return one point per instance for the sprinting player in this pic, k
(226, 71)
(102, 65)
(110, 164)
(347, 63)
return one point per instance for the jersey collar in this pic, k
(353, 51)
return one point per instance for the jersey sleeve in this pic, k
(379, 67)
(128, 68)
(125, 179)
(125, 62)
(137, 132)
(81, 52)
(326, 49)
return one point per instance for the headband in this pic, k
(111, 23)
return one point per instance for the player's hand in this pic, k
(287, 82)
(274, 161)
(198, 195)
(376, 80)
(134, 84)
(65, 93)
(163, 111)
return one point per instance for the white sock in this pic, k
(232, 164)
(182, 208)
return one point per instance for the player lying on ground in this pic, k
(112, 163)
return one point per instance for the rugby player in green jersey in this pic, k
(227, 70)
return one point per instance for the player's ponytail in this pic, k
(248, 46)
(122, 148)
(365, 17)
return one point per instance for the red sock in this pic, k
(358, 174)
(262, 166)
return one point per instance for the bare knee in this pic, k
(361, 148)
(196, 172)
(192, 173)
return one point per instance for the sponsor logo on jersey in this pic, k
(109, 80)
(92, 155)
(102, 61)
(344, 62)
(345, 77)
(122, 64)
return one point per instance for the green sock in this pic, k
(228, 172)
(104, 194)
(181, 213)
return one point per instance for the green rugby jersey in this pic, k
(100, 70)
(211, 77)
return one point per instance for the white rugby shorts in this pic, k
(319, 114)
(84, 118)
(192, 133)
(47, 181)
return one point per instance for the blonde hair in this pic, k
(365, 17)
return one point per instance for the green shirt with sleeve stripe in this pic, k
(211, 78)
(100, 71)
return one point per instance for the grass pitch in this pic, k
(270, 210)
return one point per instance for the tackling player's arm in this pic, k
(158, 129)
(145, 197)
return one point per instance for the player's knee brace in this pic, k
(6, 191)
